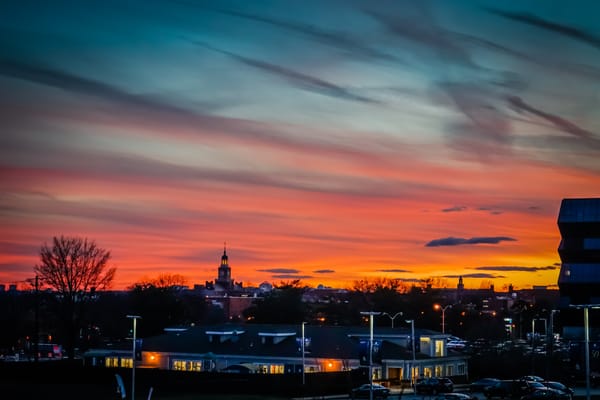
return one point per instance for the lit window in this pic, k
(126, 363)
(112, 361)
(439, 348)
(186, 365)
(276, 369)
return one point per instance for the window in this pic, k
(427, 372)
(186, 365)
(439, 348)
(126, 363)
(112, 361)
(276, 369)
(449, 370)
(461, 369)
(591, 244)
(438, 370)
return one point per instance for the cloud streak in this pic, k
(298, 79)
(454, 241)
(551, 26)
(516, 268)
(339, 40)
(562, 124)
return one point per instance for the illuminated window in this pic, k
(415, 372)
(439, 348)
(126, 363)
(276, 369)
(112, 361)
(427, 372)
(438, 370)
(186, 365)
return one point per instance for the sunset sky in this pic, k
(327, 141)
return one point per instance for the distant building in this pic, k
(579, 251)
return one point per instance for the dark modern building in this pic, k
(579, 251)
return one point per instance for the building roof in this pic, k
(281, 341)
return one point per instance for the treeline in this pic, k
(162, 303)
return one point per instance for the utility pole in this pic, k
(36, 335)
(134, 318)
(371, 314)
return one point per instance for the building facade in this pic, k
(579, 251)
(277, 349)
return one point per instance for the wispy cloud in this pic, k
(298, 79)
(475, 276)
(324, 271)
(516, 268)
(339, 40)
(551, 26)
(562, 124)
(280, 270)
(455, 209)
(394, 270)
(454, 241)
(291, 276)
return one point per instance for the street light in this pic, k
(437, 307)
(303, 378)
(371, 314)
(393, 317)
(134, 318)
(586, 328)
(412, 340)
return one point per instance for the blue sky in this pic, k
(323, 140)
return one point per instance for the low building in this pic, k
(277, 349)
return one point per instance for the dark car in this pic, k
(363, 391)
(455, 396)
(511, 388)
(481, 384)
(560, 387)
(546, 394)
(532, 378)
(433, 386)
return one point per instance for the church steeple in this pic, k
(224, 273)
(224, 259)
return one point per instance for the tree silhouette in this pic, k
(75, 268)
(283, 305)
(159, 303)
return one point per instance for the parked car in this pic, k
(546, 394)
(455, 396)
(363, 391)
(595, 379)
(532, 378)
(511, 388)
(481, 384)
(434, 386)
(560, 387)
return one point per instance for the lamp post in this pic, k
(134, 318)
(393, 317)
(586, 328)
(371, 314)
(412, 340)
(444, 308)
(303, 377)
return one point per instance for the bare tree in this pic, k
(75, 268)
